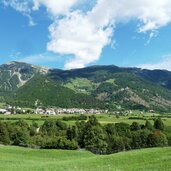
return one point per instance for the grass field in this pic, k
(23, 159)
(102, 118)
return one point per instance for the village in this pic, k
(9, 110)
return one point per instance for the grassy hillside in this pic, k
(19, 159)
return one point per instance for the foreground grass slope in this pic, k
(19, 159)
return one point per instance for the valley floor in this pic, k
(24, 159)
(102, 118)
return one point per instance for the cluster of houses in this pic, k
(55, 111)
(8, 110)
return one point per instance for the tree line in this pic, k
(89, 135)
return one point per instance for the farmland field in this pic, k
(19, 159)
(102, 118)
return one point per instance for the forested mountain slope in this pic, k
(97, 86)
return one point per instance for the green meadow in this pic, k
(102, 118)
(25, 159)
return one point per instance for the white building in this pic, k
(3, 111)
(50, 112)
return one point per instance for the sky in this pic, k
(71, 34)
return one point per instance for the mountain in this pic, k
(161, 77)
(15, 74)
(96, 86)
(130, 88)
(40, 89)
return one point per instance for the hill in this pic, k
(96, 86)
(19, 159)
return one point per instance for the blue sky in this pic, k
(81, 34)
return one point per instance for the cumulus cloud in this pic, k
(78, 35)
(83, 34)
(165, 64)
(152, 14)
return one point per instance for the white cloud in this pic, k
(21, 6)
(84, 34)
(77, 35)
(55, 7)
(152, 14)
(165, 64)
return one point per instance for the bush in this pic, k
(59, 143)
(95, 140)
(158, 124)
(4, 134)
(157, 139)
(148, 125)
(115, 144)
(135, 126)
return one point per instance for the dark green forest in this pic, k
(86, 134)
(50, 93)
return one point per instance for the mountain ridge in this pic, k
(107, 86)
